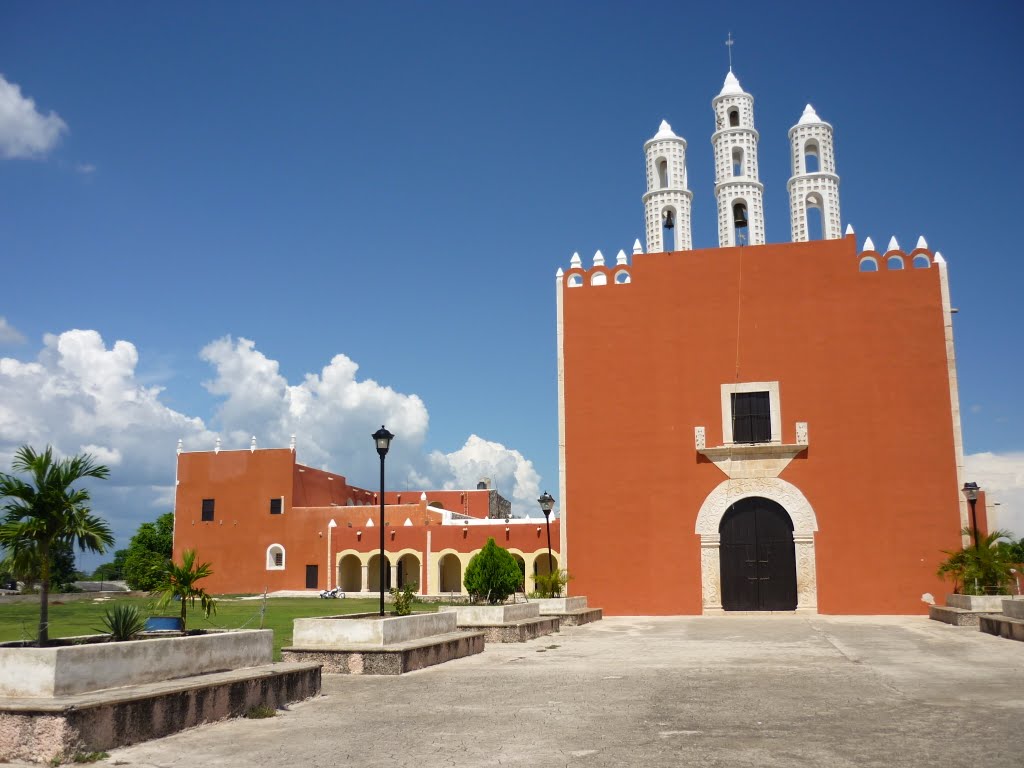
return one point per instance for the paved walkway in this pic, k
(724, 691)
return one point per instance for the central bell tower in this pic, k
(739, 192)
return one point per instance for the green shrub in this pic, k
(260, 711)
(123, 622)
(551, 584)
(403, 599)
(492, 574)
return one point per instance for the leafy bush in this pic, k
(492, 574)
(403, 599)
(123, 622)
(142, 568)
(982, 567)
(260, 711)
(551, 584)
(179, 582)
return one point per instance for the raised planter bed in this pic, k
(510, 623)
(986, 603)
(571, 611)
(72, 669)
(366, 644)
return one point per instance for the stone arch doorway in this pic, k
(758, 558)
(709, 521)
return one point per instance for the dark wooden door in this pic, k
(312, 577)
(758, 558)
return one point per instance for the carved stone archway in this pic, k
(805, 524)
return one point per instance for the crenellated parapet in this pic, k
(894, 258)
(600, 273)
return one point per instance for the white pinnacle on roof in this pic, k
(732, 85)
(575, 262)
(620, 257)
(665, 131)
(849, 229)
(939, 259)
(922, 244)
(869, 244)
(809, 116)
(893, 245)
(559, 273)
(637, 248)
(369, 522)
(423, 496)
(598, 259)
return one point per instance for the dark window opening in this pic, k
(751, 417)
(279, 559)
(734, 118)
(207, 510)
(275, 506)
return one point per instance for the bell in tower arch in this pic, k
(669, 219)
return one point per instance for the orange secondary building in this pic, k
(780, 421)
(266, 522)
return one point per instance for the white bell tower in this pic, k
(814, 184)
(739, 193)
(667, 201)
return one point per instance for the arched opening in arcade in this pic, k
(409, 571)
(373, 574)
(350, 574)
(450, 568)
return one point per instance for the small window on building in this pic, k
(207, 510)
(276, 505)
(751, 417)
(734, 118)
(275, 557)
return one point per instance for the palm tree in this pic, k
(984, 565)
(179, 582)
(43, 510)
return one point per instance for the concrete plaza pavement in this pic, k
(737, 690)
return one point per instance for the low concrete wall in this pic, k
(1013, 608)
(550, 605)
(488, 615)
(369, 629)
(71, 669)
(990, 603)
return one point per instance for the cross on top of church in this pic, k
(728, 44)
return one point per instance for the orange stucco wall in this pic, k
(860, 357)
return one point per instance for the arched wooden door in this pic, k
(758, 557)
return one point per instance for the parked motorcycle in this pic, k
(336, 593)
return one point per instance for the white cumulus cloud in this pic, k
(9, 334)
(1001, 476)
(24, 130)
(511, 473)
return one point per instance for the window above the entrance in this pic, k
(751, 413)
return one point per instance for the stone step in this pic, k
(40, 729)
(391, 659)
(516, 631)
(1002, 626)
(958, 617)
(579, 617)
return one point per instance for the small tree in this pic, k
(492, 574)
(179, 582)
(980, 565)
(43, 513)
(148, 550)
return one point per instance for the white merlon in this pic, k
(291, 444)
(922, 244)
(809, 116)
(893, 245)
(939, 259)
(620, 258)
(575, 262)
(849, 229)
(559, 274)
(407, 523)
(637, 248)
(598, 259)
(216, 445)
(252, 444)
(869, 244)
(181, 445)
(731, 85)
(423, 496)
(369, 522)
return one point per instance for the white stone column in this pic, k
(394, 575)
(710, 572)
(365, 584)
(806, 573)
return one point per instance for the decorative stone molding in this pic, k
(699, 438)
(805, 523)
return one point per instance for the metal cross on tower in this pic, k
(728, 44)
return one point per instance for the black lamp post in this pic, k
(970, 490)
(547, 504)
(382, 439)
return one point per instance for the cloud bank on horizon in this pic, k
(81, 396)
(25, 132)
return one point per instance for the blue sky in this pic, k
(398, 182)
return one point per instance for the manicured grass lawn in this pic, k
(19, 621)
